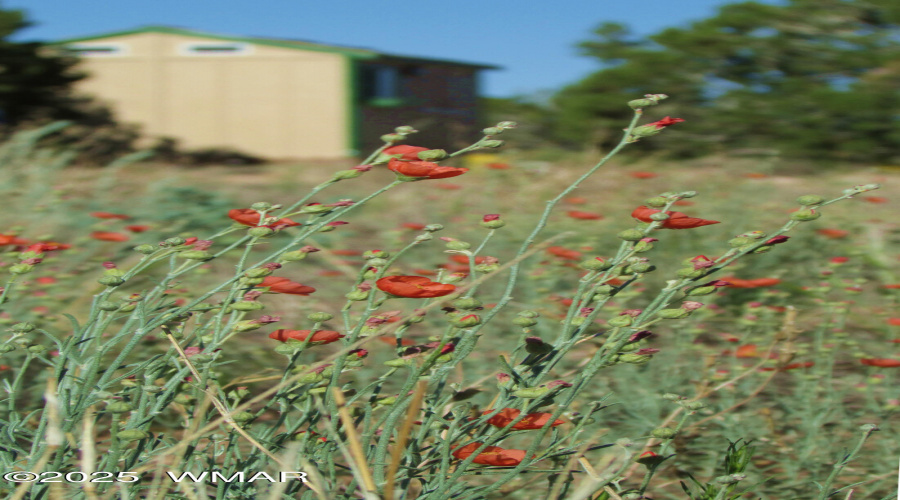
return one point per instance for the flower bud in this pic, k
(357, 295)
(630, 235)
(659, 216)
(507, 125)
(250, 305)
(294, 256)
(524, 322)
(341, 175)
(595, 264)
(673, 313)
(405, 130)
(466, 321)
(393, 138)
(175, 241)
(432, 155)
(5, 348)
(108, 306)
(492, 131)
(663, 433)
(201, 255)
(641, 267)
(145, 249)
(492, 221)
(810, 199)
(656, 202)
(490, 143)
(633, 358)
(258, 272)
(458, 245)
(398, 363)
(320, 317)
(689, 272)
(466, 303)
(805, 215)
(531, 392)
(247, 326)
(110, 280)
(641, 103)
(260, 231)
(21, 268)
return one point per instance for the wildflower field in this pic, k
(421, 325)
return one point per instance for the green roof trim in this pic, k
(352, 52)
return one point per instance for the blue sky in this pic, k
(533, 40)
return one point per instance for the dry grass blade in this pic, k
(88, 452)
(54, 435)
(397, 453)
(356, 450)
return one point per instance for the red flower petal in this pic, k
(754, 283)
(318, 337)
(250, 217)
(286, 286)
(881, 362)
(425, 169)
(676, 220)
(529, 422)
(406, 152)
(109, 215)
(109, 236)
(413, 287)
(491, 455)
(577, 214)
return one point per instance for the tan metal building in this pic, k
(275, 98)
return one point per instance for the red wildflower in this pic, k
(894, 321)
(137, 228)
(665, 122)
(892, 286)
(499, 166)
(578, 214)
(424, 169)
(529, 422)
(109, 236)
(746, 351)
(346, 253)
(838, 260)
(47, 246)
(413, 287)
(643, 175)
(576, 200)
(755, 175)
(318, 337)
(833, 233)
(683, 203)
(415, 226)
(46, 280)
(564, 253)
(448, 186)
(676, 220)
(491, 455)
(754, 283)
(284, 285)
(876, 199)
(405, 152)
(109, 215)
(250, 217)
(881, 362)
(464, 259)
(11, 239)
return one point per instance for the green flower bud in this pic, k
(663, 433)
(201, 255)
(21, 268)
(740, 241)
(531, 392)
(260, 231)
(524, 322)
(247, 326)
(490, 143)
(805, 215)
(529, 314)
(132, 435)
(695, 405)
(294, 256)
(110, 280)
(631, 235)
(183, 399)
(432, 155)
(466, 303)
(659, 216)
(357, 295)
(108, 306)
(641, 267)
(251, 281)
(656, 202)
(458, 245)
(310, 378)
(596, 264)
(507, 124)
(689, 272)
(23, 327)
(641, 103)
(432, 228)
(393, 138)
(643, 246)
(145, 249)
(701, 290)
(320, 317)
(810, 199)
(258, 272)
(175, 241)
(763, 249)
(346, 174)
(492, 224)
(398, 363)
(673, 313)
(633, 358)
(602, 291)
(249, 305)
(5, 348)
(466, 321)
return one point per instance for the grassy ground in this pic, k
(799, 419)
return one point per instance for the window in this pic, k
(97, 49)
(214, 49)
(380, 82)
